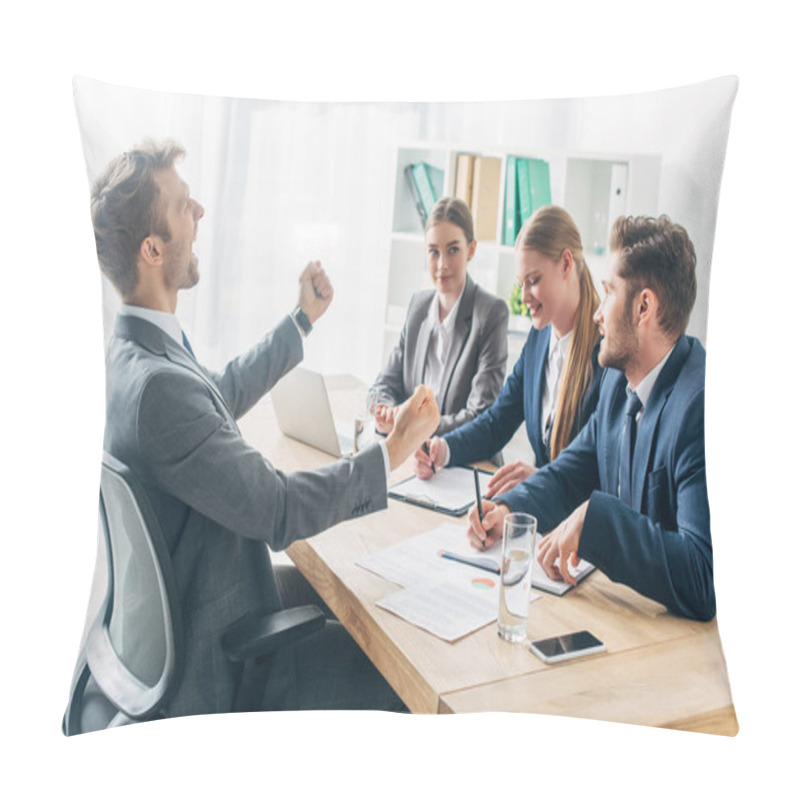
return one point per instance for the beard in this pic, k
(182, 273)
(617, 348)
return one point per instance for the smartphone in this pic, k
(570, 645)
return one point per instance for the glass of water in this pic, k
(519, 534)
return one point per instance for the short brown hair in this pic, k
(657, 253)
(452, 209)
(125, 208)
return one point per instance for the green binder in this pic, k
(427, 192)
(533, 184)
(511, 222)
(539, 182)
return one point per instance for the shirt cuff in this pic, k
(382, 445)
(446, 452)
(299, 329)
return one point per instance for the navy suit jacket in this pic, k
(661, 546)
(519, 401)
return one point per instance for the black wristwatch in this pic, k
(299, 316)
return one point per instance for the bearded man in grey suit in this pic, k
(220, 501)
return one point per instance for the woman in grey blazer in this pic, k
(455, 335)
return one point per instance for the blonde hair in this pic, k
(551, 231)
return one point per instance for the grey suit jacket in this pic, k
(476, 363)
(218, 499)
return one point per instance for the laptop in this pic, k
(304, 413)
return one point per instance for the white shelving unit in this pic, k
(594, 187)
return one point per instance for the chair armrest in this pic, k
(255, 636)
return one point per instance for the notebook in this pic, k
(304, 413)
(451, 490)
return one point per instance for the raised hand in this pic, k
(316, 291)
(414, 422)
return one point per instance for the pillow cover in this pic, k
(281, 183)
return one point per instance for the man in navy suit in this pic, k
(629, 493)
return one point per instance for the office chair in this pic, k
(131, 657)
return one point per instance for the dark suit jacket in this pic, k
(476, 362)
(219, 501)
(520, 400)
(662, 545)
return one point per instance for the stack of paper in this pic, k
(444, 597)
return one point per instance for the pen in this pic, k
(427, 450)
(481, 563)
(478, 499)
(478, 494)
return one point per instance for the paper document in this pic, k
(451, 490)
(447, 609)
(445, 597)
(539, 578)
(416, 560)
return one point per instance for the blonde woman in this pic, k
(555, 383)
(455, 335)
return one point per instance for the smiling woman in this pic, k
(454, 338)
(554, 385)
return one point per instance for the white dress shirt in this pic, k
(553, 378)
(162, 319)
(645, 387)
(439, 345)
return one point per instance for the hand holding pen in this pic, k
(485, 520)
(429, 458)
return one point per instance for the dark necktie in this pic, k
(627, 445)
(188, 346)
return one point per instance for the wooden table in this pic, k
(658, 669)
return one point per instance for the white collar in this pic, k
(162, 319)
(561, 344)
(645, 387)
(448, 323)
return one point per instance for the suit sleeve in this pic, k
(390, 381)
(669, 562)
(250, 376)
(490, 370)
(195, 453)
(558, 488)
(492, 430)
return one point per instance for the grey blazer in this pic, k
(218, 499)
(476, 364)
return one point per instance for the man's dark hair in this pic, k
(125, 209)
(658, 254)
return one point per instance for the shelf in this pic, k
(593, 187)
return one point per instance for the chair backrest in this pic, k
(133, 649)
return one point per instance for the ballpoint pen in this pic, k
(478, 493)
(427, 449)
(474, 561)
(478, 499)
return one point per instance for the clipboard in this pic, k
(450, 491)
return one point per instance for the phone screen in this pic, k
(568, 643)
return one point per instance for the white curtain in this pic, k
(281, 184)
